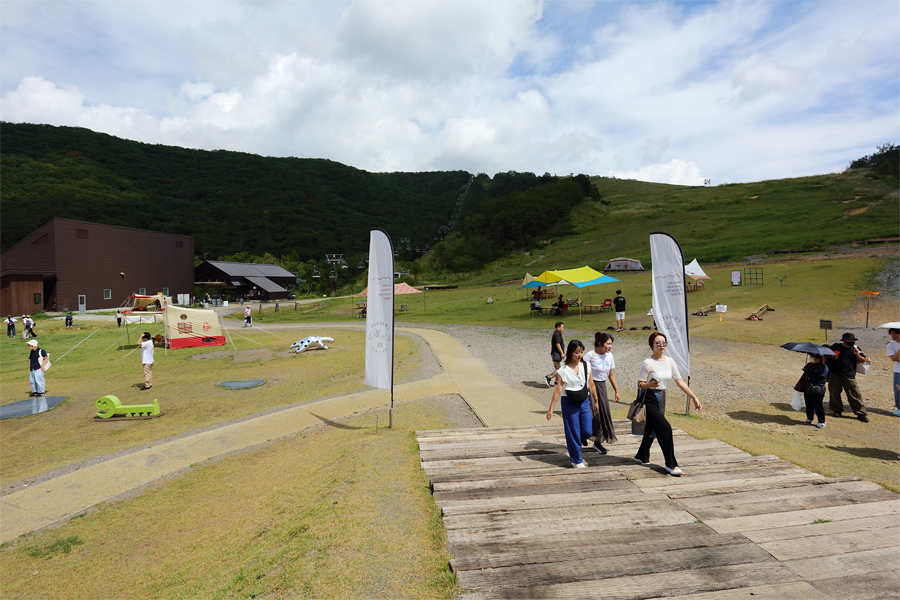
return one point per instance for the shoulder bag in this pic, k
(637, 412)
(582, 394)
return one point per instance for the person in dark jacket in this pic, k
(842, 377)
(814, 392)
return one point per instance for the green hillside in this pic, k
(230, 202)
(469, 228)
(717, 224)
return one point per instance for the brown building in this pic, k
(232, 280)
(78, 266)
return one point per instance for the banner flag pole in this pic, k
(380, 316)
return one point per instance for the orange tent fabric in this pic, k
(399, 288)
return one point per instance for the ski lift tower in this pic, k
(334, 260)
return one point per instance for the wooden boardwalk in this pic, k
(521, 523)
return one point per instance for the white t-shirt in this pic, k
(892, 348)
(573, 380)
(147, 352)
(601, 364)
(665, 371)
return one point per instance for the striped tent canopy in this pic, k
(580, 278)
(399, 288)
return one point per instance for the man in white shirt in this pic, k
(147, 359)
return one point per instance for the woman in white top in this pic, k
(574, 384)
(656, 373)
(602, 367)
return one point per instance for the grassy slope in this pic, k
(717, 224)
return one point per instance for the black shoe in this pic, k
(547, 380)
(862, 418)
(146, 387)
(599, 448)
(838, 414)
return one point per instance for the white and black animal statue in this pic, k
(312, 341)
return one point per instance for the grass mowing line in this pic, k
(334, 512)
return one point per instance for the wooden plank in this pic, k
(581, 527)
(871, 586)
(714, 488)
(828, 486)
(803, 517)
(786, 504)
(846, 564)
(575, 499)
(798, 590)
(622, 536)
(718, 475)
(563, 550)
(562, 476)
(532, 490)
(863, 523)
(662, 562)
(830, 543)
(557, 514)
(655, 585)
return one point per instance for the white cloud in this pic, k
(666, 91)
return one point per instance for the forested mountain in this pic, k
(230, 202)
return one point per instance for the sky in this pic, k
(671, 92)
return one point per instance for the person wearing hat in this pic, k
(842, 377)
(36, 362)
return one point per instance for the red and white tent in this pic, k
(399, 288)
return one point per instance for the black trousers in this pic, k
(657, 424)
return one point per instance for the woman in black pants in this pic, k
(817, 374)
(656, 373)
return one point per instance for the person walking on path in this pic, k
(656, 373)
(814, 392)
(602, 367)
(248, 317)
(10, 326)
(842, 377)
(556, 352)
(119, 317)
(36, 359)
(619, 304)
(893, 351)
(147, 359)
(576, 386)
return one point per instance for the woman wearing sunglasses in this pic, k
(656, 373)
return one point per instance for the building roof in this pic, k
(233, 269)
(266, 284)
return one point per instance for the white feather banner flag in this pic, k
(380, 313)
(670, 299)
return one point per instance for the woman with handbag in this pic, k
(602, 367)
(814, 390)
(574, 383)
(656, 373)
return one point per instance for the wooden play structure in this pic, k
(759, 312)
(110, 406)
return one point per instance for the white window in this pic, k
(142, 291)
(107, 294)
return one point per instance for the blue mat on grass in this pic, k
(241, 385)
(32, 406)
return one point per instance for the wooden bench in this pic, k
(705, 310)
(757, 314)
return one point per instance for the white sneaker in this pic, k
(580, 465)
(820, 425)
(640, 461)
(676, 472)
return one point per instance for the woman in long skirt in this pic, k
(602, 370)
(657, 372)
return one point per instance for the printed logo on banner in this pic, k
(379, 336)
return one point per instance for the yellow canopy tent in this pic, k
(581, 278)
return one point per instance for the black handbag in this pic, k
(637, 412)
(582, 394)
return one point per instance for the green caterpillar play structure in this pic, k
(109, 406)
